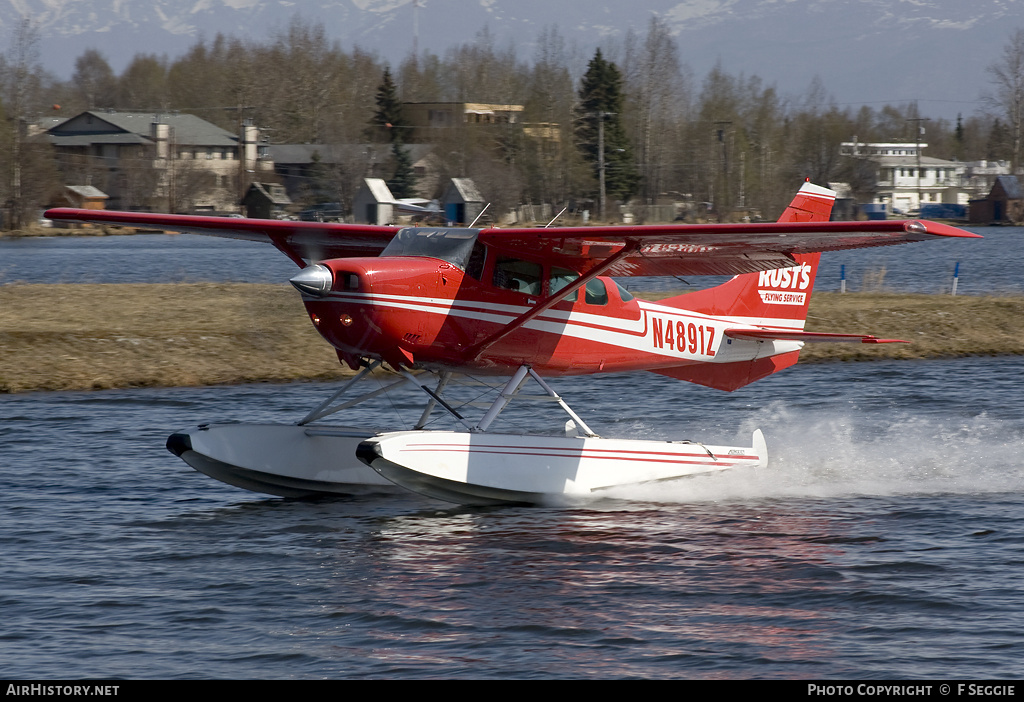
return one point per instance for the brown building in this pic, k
(427, 117)
(1003, 205)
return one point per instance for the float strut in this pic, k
(507, 393)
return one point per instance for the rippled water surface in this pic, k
(885, 540)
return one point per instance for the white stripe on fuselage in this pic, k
(631, 334)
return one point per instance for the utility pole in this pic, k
(172, 148)
(415, 30)
(721, 127)
(600, 162)
(601, 166)
(919, 129)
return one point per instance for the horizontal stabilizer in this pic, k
(793, 335)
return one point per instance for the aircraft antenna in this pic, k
(556, 217)
(481, 214)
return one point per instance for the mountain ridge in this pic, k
(864, 51)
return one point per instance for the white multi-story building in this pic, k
(906, 179)
(982, 175)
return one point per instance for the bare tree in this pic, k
(143, 85)
(554, 171)
(1007, 79)
(94, 81)
(21, 85)
(657, 94)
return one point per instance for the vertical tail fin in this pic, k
(777, 298)
(812, 203)
(772, 298)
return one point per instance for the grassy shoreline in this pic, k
(97, 336)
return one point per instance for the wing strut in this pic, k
(476, 349)
(279, 244)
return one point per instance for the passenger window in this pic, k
(561, 277)
(624, 294)
(521, 276)
(597, 294)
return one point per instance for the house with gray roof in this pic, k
(168, 162)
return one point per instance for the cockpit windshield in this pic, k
(451, 245)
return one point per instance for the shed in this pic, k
(85, 197)
(462, 201)
(265, 200)
(373, 204)
(1004, 204)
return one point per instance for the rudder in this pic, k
(778, 297)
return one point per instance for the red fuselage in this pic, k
(427, 312)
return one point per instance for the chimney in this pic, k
(160, 133)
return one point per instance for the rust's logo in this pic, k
(782, 286)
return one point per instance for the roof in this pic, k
(477, 107)
(86, 191)
(50, 121)
(466, 189)
(102, 126)
(87, 139)
(304, 153)
(1011, 186)
(913, 161)
(379, 189)
(273, 192)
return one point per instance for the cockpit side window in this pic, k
(515, 274)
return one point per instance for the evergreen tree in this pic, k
(388, 123)
(601, 100)
(318, 185)
(402, 184)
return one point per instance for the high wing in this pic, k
(708, 249)
(652, 250)
(312, 241)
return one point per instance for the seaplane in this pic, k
(425, 305)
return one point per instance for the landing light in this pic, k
(315, 280)
(345, 320)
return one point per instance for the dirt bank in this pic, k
(73, 337)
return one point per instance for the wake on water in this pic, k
(826, 455)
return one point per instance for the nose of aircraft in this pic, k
(313, 280)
